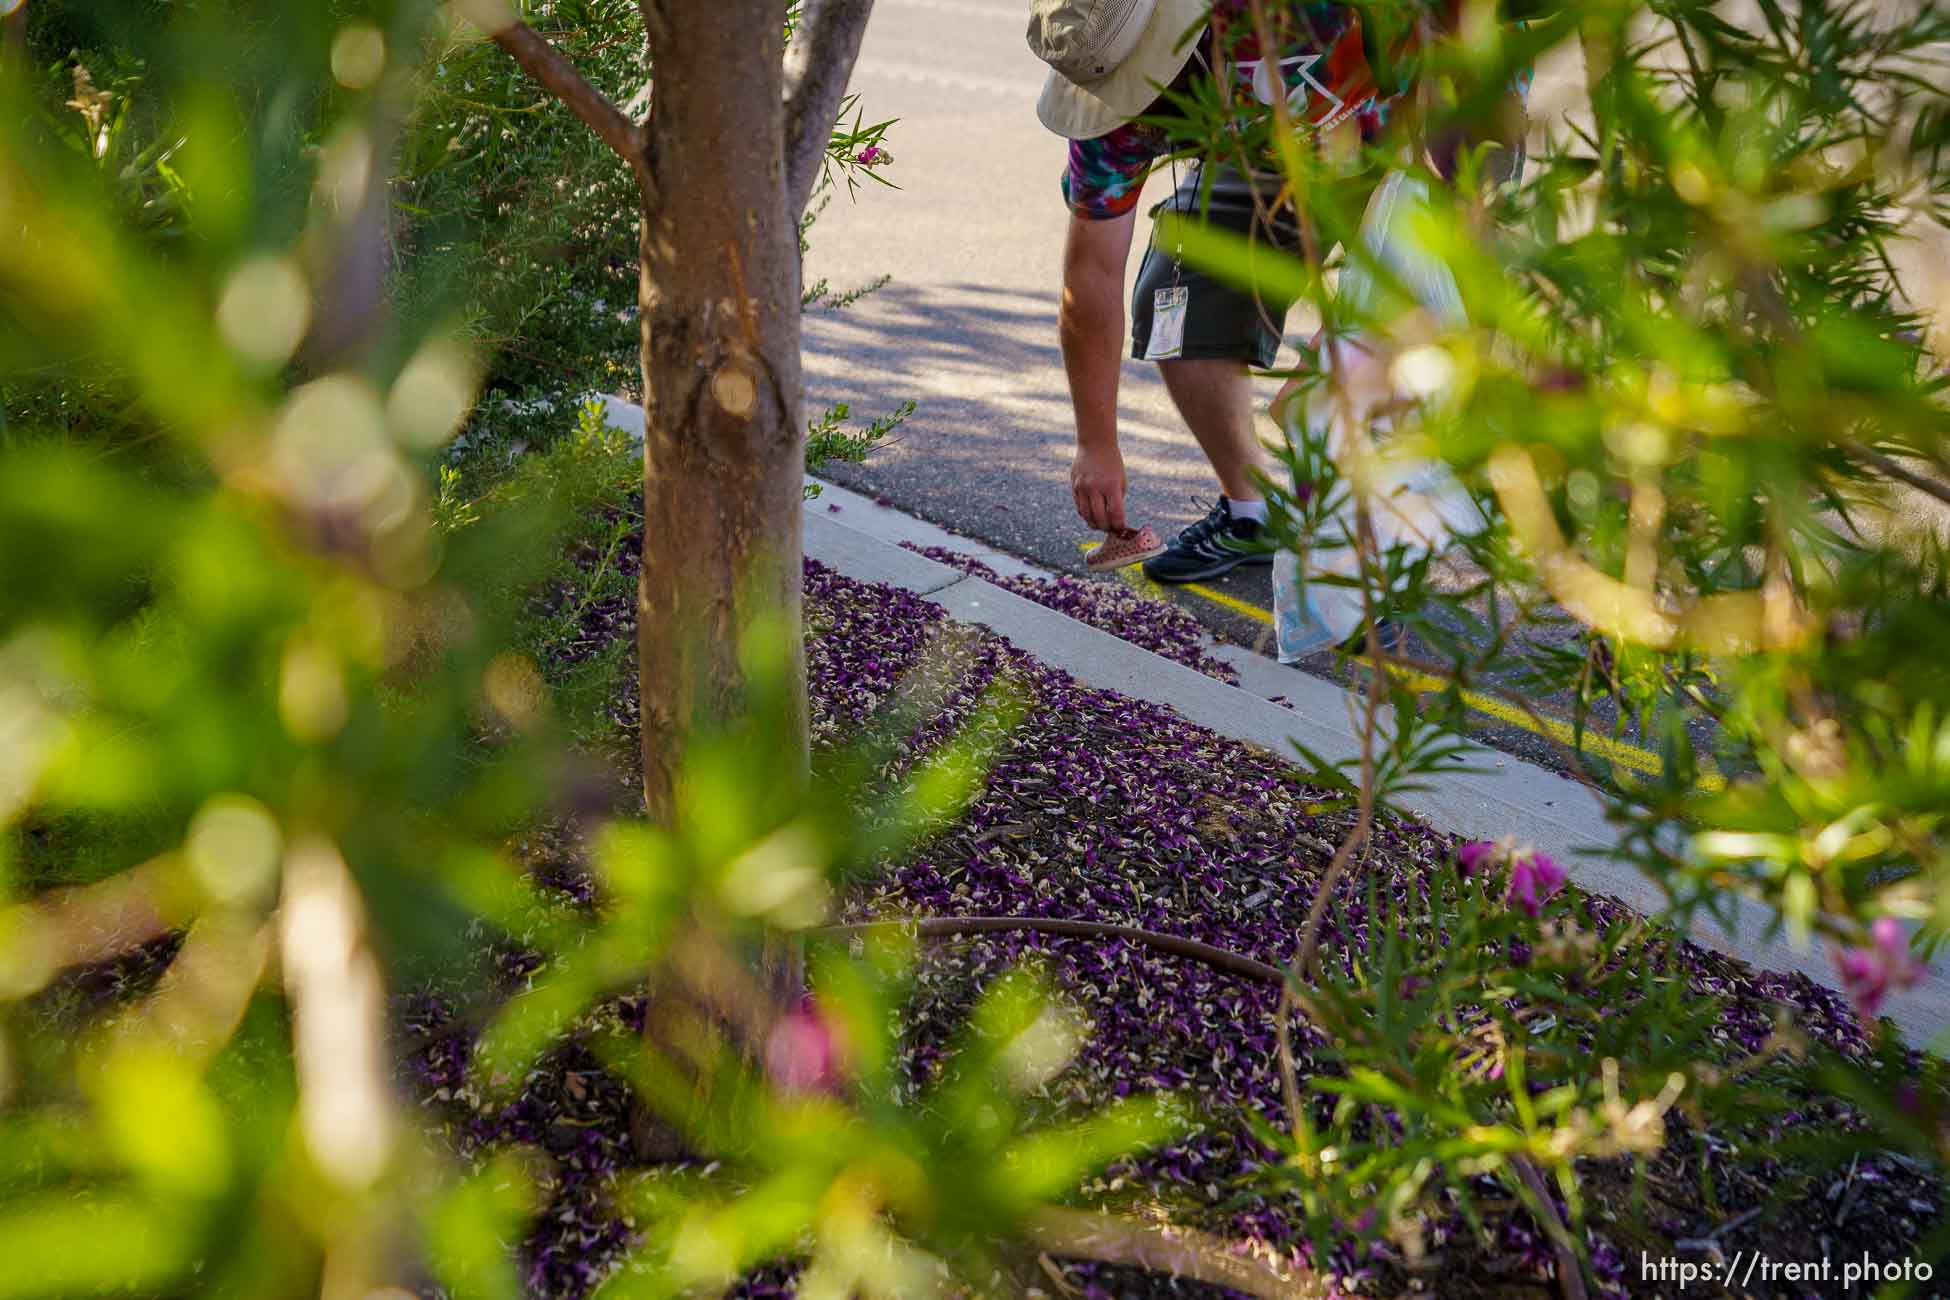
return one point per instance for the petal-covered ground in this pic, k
(1105, 808)
(1108, 605)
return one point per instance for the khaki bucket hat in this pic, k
(1108, 58)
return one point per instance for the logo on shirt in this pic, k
(1296, 77)
(1258, 73)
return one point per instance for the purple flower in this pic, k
(1869, 973)
(1909, 1099)
(873, 156)
(1534, 879)
(802, 1054)
(1475, 856)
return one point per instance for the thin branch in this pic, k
(935, 927)
(1283, 1041)
(548, 66)
(818, 63)
(1179, 1252)
(1896, 470)
(1570, 1273)
(13, 34)
(91, 923)
(358, 250)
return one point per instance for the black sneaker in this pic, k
(1216, 544)
(1387, 631)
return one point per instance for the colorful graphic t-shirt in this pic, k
(1324, 74)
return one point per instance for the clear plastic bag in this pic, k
(1413, 501)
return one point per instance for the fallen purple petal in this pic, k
(1097, 806)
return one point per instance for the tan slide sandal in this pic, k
(1130, 546)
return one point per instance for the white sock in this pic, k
(1253, 510)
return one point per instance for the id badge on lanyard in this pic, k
(1167, 324)
(1167, 338)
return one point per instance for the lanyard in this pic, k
(1177, 253)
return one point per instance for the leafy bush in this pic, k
(270, 714)
(499, 178)
(1695, 407)
(269, 681)
(495, 173)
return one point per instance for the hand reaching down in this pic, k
(1097, 484)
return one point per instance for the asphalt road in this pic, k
(967, 327)
(972, 239)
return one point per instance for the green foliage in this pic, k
(495, 173)
(830, 438)
(498, 177)
(272, 701)
(271, 698)
(132, 156)
(825, 1156)
(1464, 1037)
(1696, 408)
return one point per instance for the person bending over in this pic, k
(1108, 60)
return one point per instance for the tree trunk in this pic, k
(720, 319)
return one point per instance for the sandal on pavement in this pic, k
(1129, 546)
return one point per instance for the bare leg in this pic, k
(1215, 398)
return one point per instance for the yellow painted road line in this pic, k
(1632, 757)
(1618, 751)
(1133, 576)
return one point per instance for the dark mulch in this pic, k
(83, 992)
(1106, 808)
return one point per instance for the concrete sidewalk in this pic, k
(1490, 796)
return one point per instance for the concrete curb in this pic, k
(886, 524)
(1489, 796)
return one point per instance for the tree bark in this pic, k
(559, 77)
(817, 68)
(720, 349)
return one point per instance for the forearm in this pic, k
(1091, 326)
